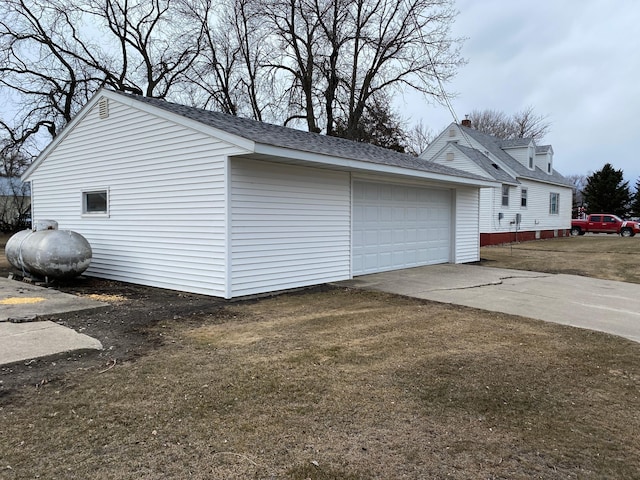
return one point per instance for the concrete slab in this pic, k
(603, 305)
(24, 341)
(22, 302)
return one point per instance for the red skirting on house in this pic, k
(524, 236)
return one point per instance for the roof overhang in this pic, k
(285, 155)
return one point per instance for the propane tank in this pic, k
(49, 253)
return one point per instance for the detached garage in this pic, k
(187, 199)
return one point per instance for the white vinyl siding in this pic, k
(166, 221)
(399, 226)
(290, 226)
(535, 217)
(467, 237)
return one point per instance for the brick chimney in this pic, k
(466, 122)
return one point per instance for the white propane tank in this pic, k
(48, 252)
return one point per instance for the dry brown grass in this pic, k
(609, 257)
(341, 384)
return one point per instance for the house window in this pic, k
(505, 195)
(95, 202)
(554, 203)
(531, 158)
(523, 197)
(549, 167)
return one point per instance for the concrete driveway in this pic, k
(603, 305)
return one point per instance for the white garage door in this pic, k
(397, 226)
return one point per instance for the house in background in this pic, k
(187, 199)
(531, 200)
(15, 204)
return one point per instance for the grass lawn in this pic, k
(609, 257)
(343, 384)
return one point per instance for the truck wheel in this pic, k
(575, 231)
(626, 232)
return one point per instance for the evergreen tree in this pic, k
(635, 201)
(607, 192)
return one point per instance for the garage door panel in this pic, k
(399, 227)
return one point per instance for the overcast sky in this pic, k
(577, 61)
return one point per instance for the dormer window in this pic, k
(531, 154)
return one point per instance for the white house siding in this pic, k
(489, 198)
(460, 162)
(520, 154)
(467, 209)
(534, 217)
(290, 226)
(166, 225)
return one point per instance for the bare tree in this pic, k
(53, 62)
(340, 55)
(418, 139)
(15, 196)
(579, 183)
(530, 124)
(523, 124)
(313, 63)
(493, 122)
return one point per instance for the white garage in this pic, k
(399, 226)
(209, 203)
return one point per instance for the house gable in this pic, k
(167, 197)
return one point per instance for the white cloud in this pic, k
(575, 61)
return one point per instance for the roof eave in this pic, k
(317, 159)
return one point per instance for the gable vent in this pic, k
(103, 105)
(449, 156)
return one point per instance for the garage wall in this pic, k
(166, 183)
(467, 235)
(290, 226)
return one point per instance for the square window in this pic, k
(95, 202)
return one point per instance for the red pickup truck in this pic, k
(604, 223)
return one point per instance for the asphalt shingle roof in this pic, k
(284, 137)
(487, 164)
(494, 146)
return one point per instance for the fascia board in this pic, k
(350, 164)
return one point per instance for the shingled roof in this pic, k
(484, 162)
(289, 138)
(495, 146)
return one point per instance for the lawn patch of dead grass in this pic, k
(609, 257)
(342, 384)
